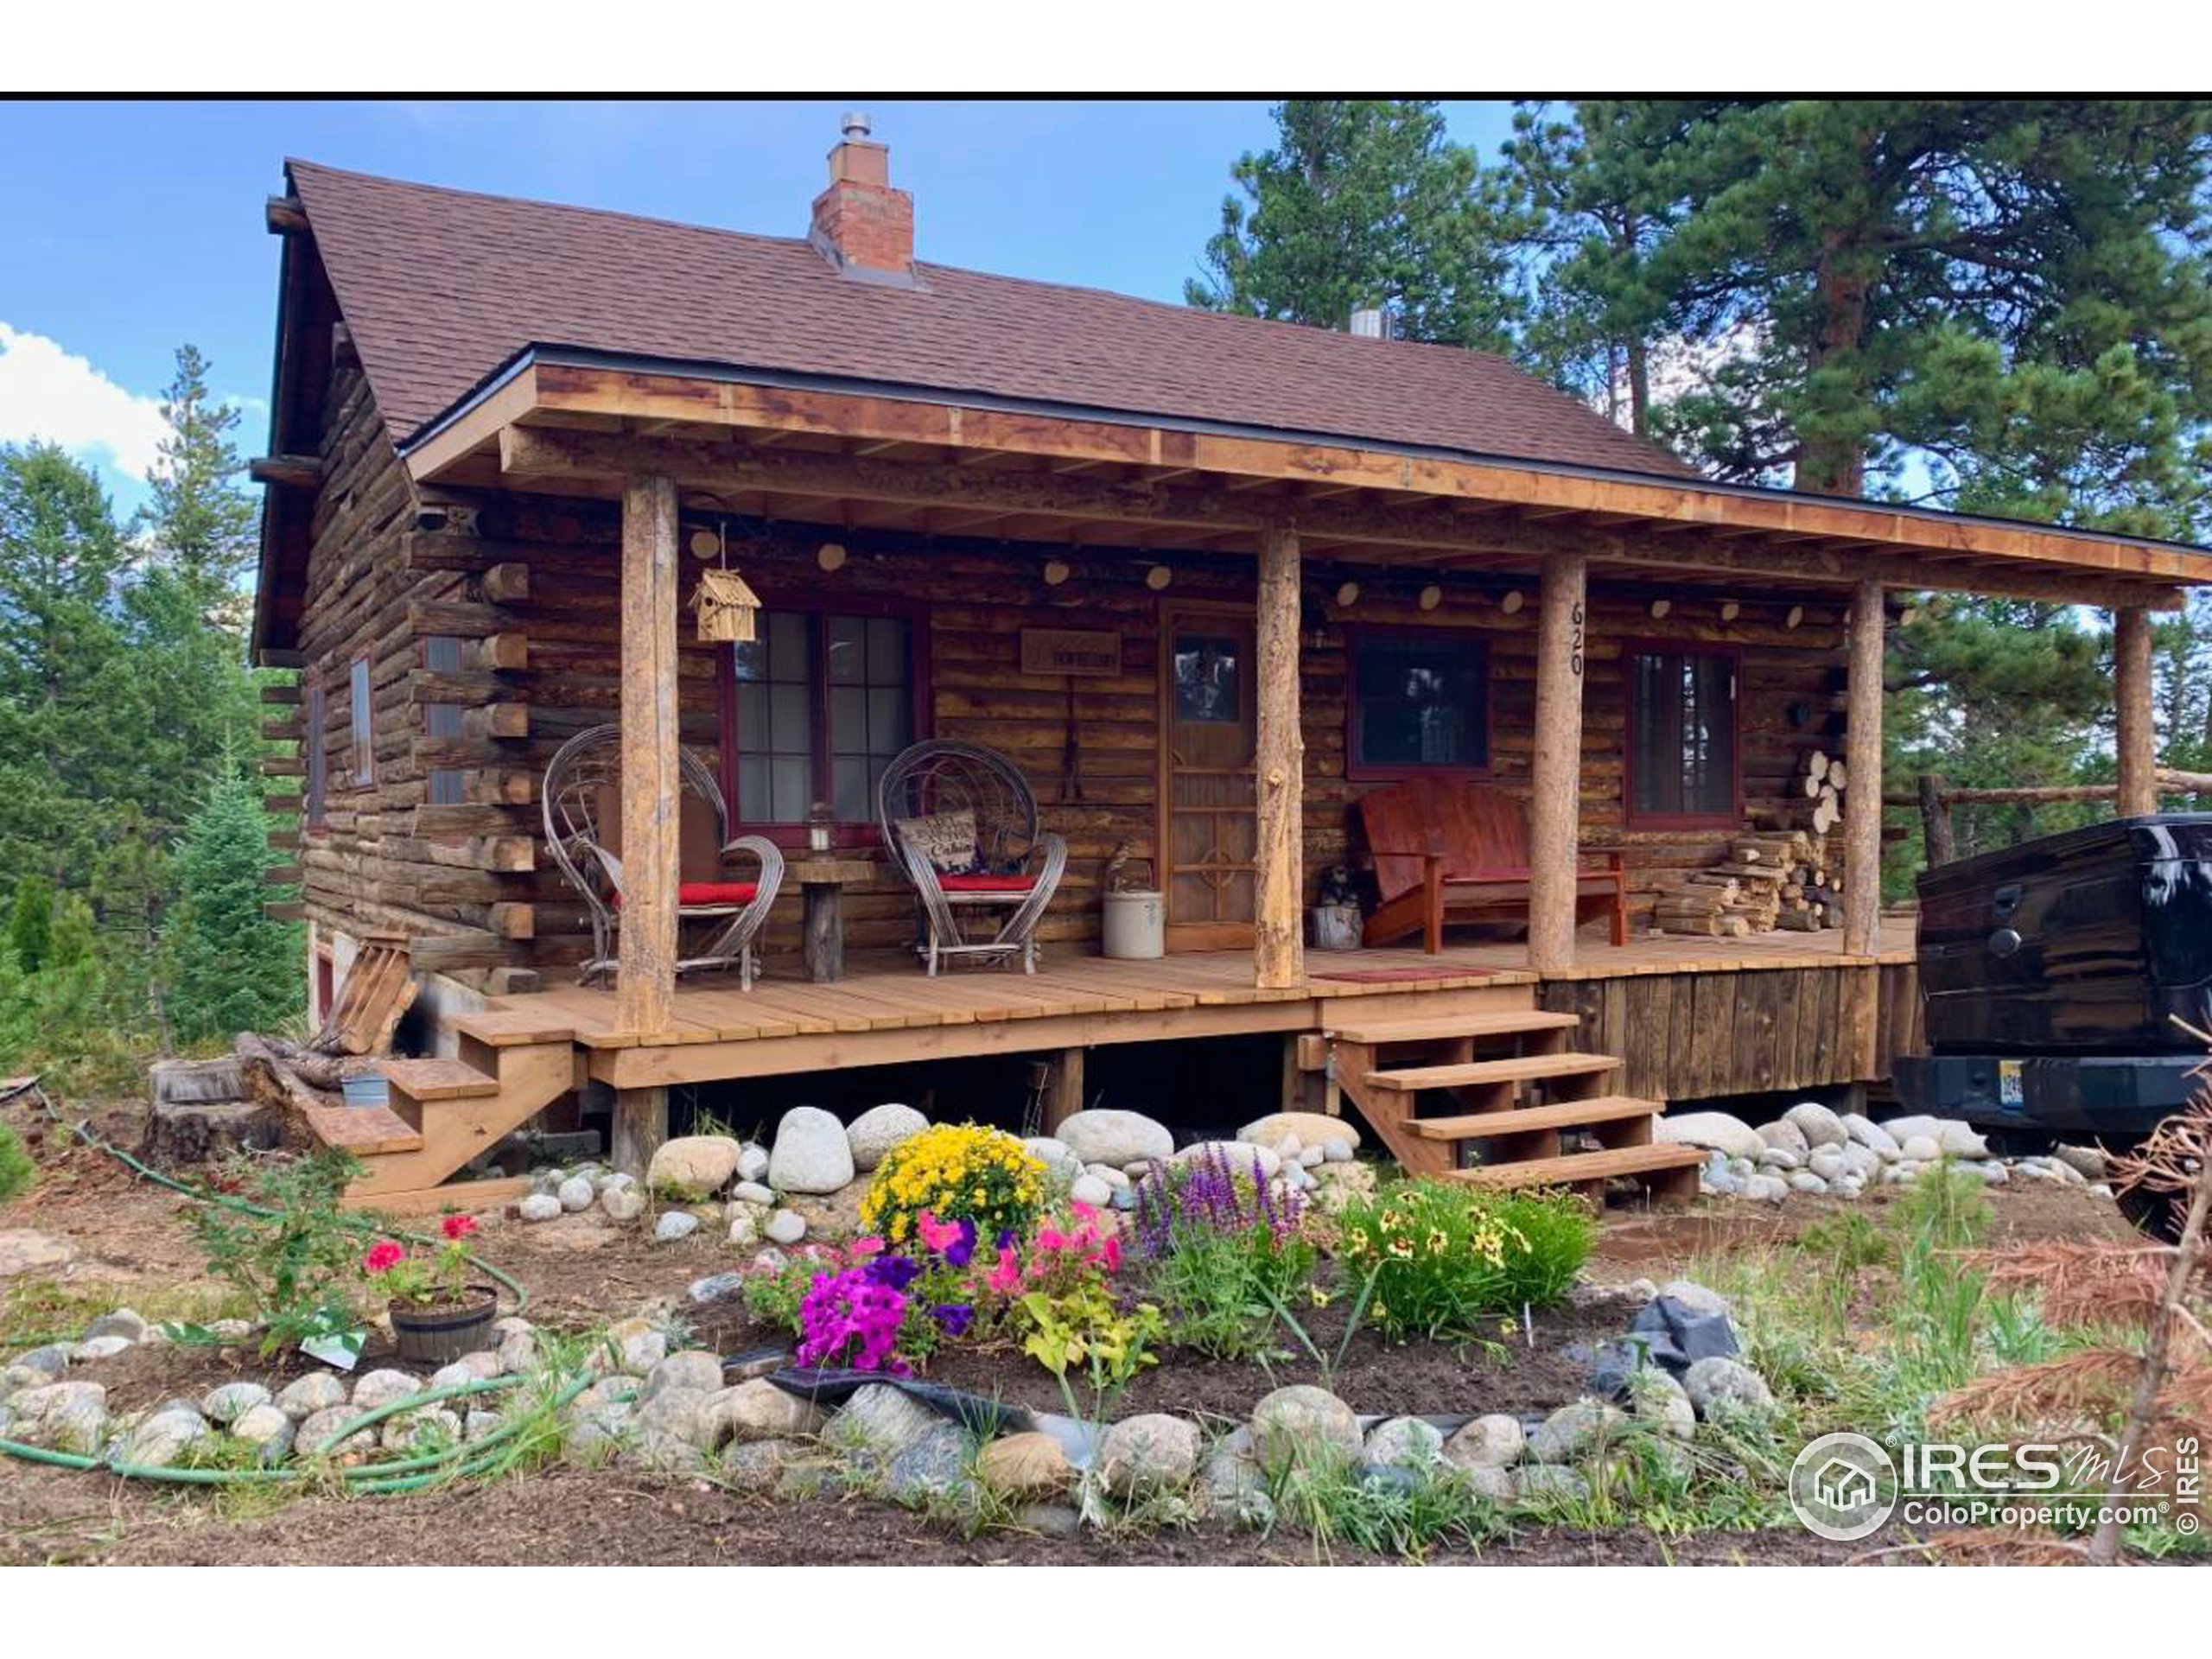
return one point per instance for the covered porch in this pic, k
(1280, 518)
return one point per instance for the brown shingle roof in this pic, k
(441, 287)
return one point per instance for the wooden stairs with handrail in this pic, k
(1526, 1107)
(443, 1114)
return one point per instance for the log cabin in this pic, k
(1207, 580)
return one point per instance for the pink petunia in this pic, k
(938, 1236)
(1007, 1275)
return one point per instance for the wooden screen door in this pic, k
(1208, 818)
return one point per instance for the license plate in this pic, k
(2009, 1093)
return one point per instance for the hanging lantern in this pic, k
(724, 604)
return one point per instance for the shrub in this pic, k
(17, 1170)
(956, 1172)
(1225, 1253)
(1443, 1256)
(297, 1268)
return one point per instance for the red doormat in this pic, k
(1404, 975)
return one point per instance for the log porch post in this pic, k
(2131, 645)
(1279, 860)
(1862, 800)
(644, 973)
(1555, 780)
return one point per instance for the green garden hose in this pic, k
(458, 1461)
(200, 1195)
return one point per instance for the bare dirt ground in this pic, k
(130, 1243)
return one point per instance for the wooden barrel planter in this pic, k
(438, 1333)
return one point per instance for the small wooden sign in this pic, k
(1069, 650)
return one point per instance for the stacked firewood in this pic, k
(1822, 779)
(1767, 880)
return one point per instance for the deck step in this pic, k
(512, 1028)
(438, 1079)
(1523, 1068)
(1560, 1115)
(365, 1131)
(1442, 1027)
(1576, 1168)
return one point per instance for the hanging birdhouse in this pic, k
(725, 606)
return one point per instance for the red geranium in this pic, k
(457, 1228)
(383, 1257)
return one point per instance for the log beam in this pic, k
(1862, 801)
(2137, 744)
(1555, 780)
(644, 975)
(301, 471)
(529, 453)
(1278, 939)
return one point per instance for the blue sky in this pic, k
(134, 227)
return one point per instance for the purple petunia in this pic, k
(962, 1250)
(955, 1317)
(892, 1272)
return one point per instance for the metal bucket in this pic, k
(367, 1088)
(1135, 926)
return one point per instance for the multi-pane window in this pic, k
(1419, 702)
(1681, 736)
(441, 655)
(821, 701)
(363, 715)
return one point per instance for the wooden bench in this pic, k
(1444, 848)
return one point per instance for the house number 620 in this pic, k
(1574, 652)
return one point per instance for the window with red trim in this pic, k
(1682, 738)
(1418, 701)
(363, 715)
(815, 708)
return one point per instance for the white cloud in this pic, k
(47, 393)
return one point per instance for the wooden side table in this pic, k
(823, 879)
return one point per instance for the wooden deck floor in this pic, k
(886, 1011)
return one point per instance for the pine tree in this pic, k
(1592, 204)
(185, 689)
(230, 968)
(30, 922)
(1363, 202)
(1999, 304)
(200, 523)
(64, 750)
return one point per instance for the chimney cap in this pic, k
(1371, 322)
(855, 124)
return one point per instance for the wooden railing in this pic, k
(1936, 798)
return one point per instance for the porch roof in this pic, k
(517, 345)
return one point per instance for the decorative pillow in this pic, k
(946, 839)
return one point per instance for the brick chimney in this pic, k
(862, 224)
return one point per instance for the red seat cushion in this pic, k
(987, 883)
(715, 892)
(710, 892)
